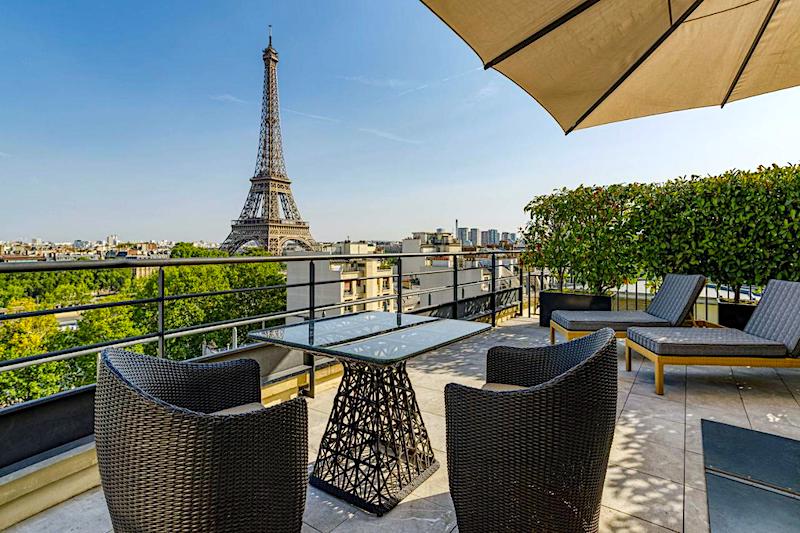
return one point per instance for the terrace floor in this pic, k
(655, 478)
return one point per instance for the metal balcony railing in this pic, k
(501, 296)
(494, 293)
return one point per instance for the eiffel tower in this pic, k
(270, 217)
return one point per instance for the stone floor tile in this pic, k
(784, 430)
(628, 376)
(694, 439)
(719, 396)
(674, 383)
(611, 520)
(435, 489)
(317, 422)
(85, 512)
(658, 430)
(791, 378)
(435, 425)
(622, 397)
(639, 407)
(734, 415)
(430, 400)
(308, 529)
(408, 517)
(694, 415)
(648, 457)
(694, 471)
(323, 400)
(776, 408)
(695, 519)
(324, 512)
(653, 499)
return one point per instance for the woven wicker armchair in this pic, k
(168, 464)
(534, 458)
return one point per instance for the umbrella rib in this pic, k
(638, 63)
(560, 21)
(750, 52)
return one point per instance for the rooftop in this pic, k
(655, 477)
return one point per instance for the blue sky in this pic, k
(141, 119)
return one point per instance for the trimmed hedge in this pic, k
(737, 228)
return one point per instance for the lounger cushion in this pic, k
(675, 298)
(777, 316)
(595, 320)
(713, 342)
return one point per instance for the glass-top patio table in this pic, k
(375, 449)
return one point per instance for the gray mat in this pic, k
(752, 480)
(735, 507)
(752, 455)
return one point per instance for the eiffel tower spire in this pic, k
(270, 147)
(270, 216)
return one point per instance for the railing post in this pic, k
(399, 284)
(161, 311)
(311, 289)
(521, 282)
(529, 293)
(494, 289)
(308, 358)
(235, 337)
(455, 287)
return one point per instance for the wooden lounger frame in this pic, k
(574, 334)
(660, 361)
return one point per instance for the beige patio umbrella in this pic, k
(591, 62)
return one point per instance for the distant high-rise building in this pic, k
(462, 234)
(504, 236)
(474, 235)
(512, 238)
(493, 236)
(485, 238)
(112, 240)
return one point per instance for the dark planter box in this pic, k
(37, 429)
(733, 315)
(552, 301)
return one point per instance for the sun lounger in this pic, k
(770, 339)
(669, 307)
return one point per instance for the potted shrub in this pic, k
(585, 231)
(742, 208)
(759, 216)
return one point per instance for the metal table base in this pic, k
(376, 449)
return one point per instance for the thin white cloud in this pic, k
(414, 89)
(487, 91)
(436, 83)
(312, 116)
(388, 135)
(5, 155)
(229, 98)
(391, 83)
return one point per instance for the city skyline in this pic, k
(147, 116)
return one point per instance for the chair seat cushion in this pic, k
(595, 320)
(712, 342)
(501, 387)
(240, 409)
